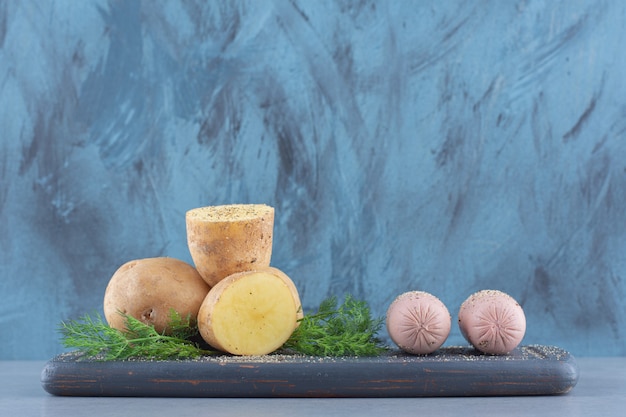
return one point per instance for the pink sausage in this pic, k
(492, 321)
(418, 322)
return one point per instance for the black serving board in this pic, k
(451, 371)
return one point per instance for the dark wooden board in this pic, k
(451, 371)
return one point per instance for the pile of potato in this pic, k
(241, 304)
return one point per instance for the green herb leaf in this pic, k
(347, 330)
(95, 338)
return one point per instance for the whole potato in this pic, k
(147, 289)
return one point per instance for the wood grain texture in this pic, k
(452, 371)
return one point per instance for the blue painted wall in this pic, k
(447, 146)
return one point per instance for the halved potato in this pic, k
(227, 239)
(248, 313)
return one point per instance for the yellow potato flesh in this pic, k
(250, 313)
(290, 284)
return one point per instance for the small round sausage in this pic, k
(418, 322)
(492, 321)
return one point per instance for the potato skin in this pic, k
(148, 288)
(227, 239)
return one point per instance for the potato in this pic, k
(290, 284)
(248, 313)
(147, 289)
(226, 239)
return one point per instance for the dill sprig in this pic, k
(345, 330)
(93, 337)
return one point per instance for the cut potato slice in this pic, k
(227, 239)
(292, 287)
(248, 313)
